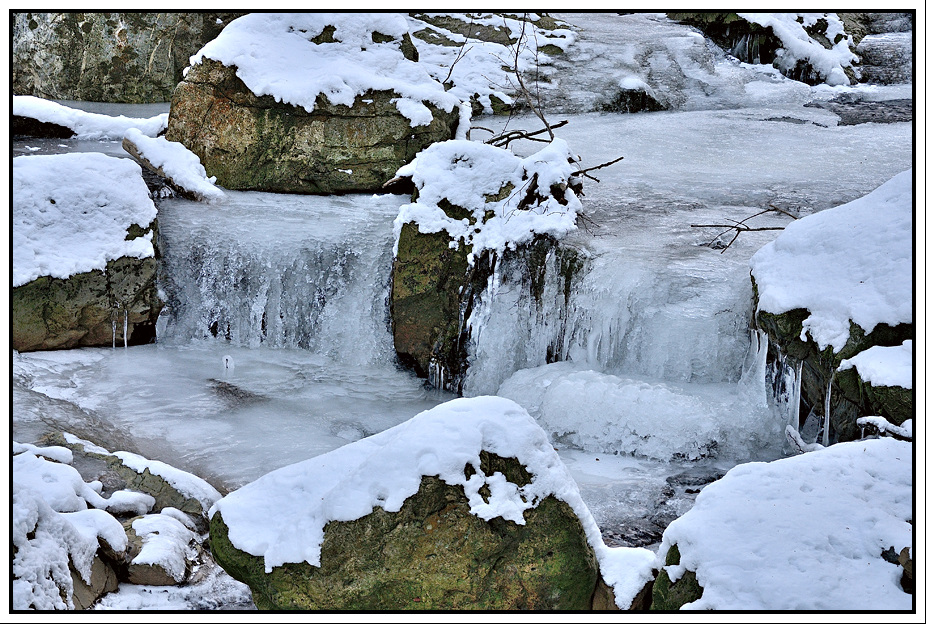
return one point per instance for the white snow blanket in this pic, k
(71, 213)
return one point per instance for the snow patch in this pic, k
(884, 366)
(86, 125)
(465, 173)
(71, 213)
(766, 518)
(274, 55)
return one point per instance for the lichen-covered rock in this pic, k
(88, 309)
(107, 57)
(432, 554)
(344, 132)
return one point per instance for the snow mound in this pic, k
(791, 533)
(465, 173)
(71, 213)
(385, 469)
(274, 55)
(884, 366)
(86, 125)
(852, 262)
(799, 46)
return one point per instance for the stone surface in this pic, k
(432, 554)
(256, 143)
(107, 57)
(670, 596)
(22, 126)
(54, 313)
(103, 580)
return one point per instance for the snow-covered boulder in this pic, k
(107, 57)
(84, 268)
(788, 534)
(165, 486)
(465, 506)
(310, 103)
(836, 284)
(473, 204)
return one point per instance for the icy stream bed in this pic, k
(294, 289)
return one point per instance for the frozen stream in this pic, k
(660, 391)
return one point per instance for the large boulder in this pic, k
(465, 506)
(819, 531)
(308, 103)
(475, 207)
(107, 57)
(833, 286)
(84, 268)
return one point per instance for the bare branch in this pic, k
(740, 226)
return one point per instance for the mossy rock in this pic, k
(431, 554)
(53, 313)
(669, 596)
(256, 143)
(431, 283)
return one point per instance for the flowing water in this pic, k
(275, 347)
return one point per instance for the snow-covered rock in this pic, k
(836, 284)
(309, 103)
(437, 502)
(31, 114)
(84, 271)
(474, 203)
(172, 161)
(791, 533)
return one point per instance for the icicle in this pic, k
(125, 329)
(826, 412)
(796, 407)
(113, 315)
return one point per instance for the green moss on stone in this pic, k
(669, 596)
(431, 554)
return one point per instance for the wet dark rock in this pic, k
(853, 111)
(22, 127)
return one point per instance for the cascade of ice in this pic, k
(315, 276)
